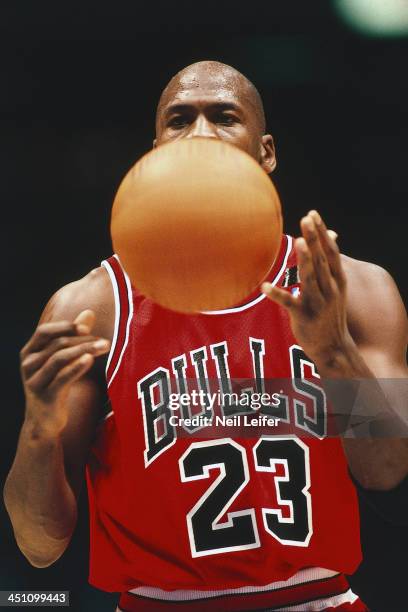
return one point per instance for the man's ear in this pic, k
(154, 143)
(268, 159)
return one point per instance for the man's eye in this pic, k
(226, 119)
(177, 122)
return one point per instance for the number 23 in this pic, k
(207, 534)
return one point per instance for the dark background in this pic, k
(78, 86)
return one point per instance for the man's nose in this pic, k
(203, 128)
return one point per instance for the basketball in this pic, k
(197, 225)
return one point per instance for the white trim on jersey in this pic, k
(260, 297)
(309, 574)
(117, 315)
(114, 284)
(316, 605)
(130, 317)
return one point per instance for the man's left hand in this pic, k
(318, 314)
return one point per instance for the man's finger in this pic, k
(46, 332)
(319, 258)
(281, 297)
(61, 359)
(72, 372)
(311, 294)
(329, 245)
(34, 361)
(85, 321)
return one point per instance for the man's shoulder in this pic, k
(367, 282)
(373, 299)
(93, 291)
(365, 273)
(90, 291)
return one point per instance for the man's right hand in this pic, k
(57, 354)
(65, 390)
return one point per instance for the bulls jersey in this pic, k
(177, 507)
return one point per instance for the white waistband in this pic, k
(304, 576)
(322, 604)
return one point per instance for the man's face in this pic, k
(212, 105)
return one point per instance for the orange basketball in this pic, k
(197, 225)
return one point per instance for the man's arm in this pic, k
(62, 384)
(378, 325)
(347, 345)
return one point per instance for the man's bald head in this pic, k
(214, 76)
(213, 100)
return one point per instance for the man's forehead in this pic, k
(217, 87)
(211, 80)
(203, 94)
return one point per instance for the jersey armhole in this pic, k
(122, 293)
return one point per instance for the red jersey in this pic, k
(215, 513)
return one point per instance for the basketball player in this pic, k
(215, 524)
